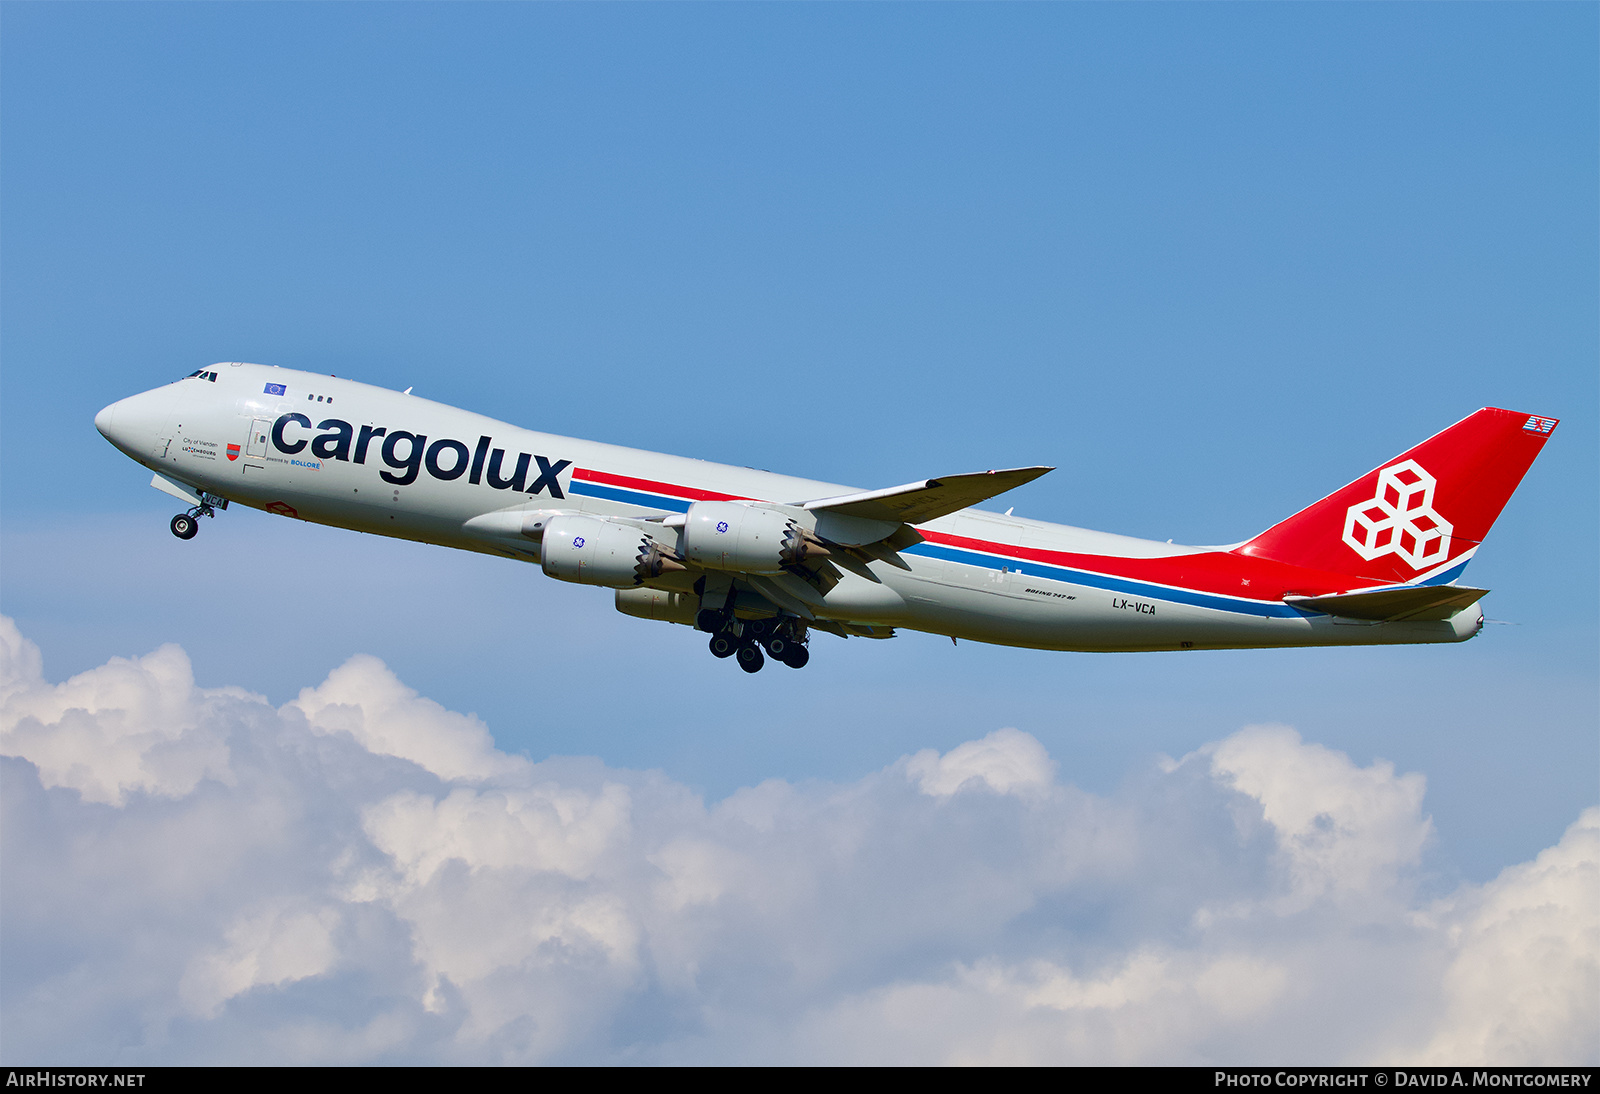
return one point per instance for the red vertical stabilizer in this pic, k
(1419, 514)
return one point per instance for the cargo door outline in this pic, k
(255, 446)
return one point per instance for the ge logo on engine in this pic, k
(1400, 520)
(577, 541)
(722, 526)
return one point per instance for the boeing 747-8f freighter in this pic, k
(760, 561)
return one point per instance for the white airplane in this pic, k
(761, 560)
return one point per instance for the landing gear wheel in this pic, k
(750, 658)
(184, 526)
(796, 657)
(779, 646)
(710, 622)
(723, 645)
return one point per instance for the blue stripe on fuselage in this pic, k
(627, 497)
(991, 562)
(1109, 583)
(1447, 576)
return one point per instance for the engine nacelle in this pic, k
(645, 603)
(751, 539)
(595, 551)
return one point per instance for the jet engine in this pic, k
(595, 551)
(751, 539)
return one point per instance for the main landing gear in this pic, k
(187, 525)
(744, 639)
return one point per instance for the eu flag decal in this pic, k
(277, 389)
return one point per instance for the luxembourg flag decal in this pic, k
(233, 452)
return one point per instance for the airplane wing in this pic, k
(916, 502)
(1392, 605)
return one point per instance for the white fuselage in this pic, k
(421, 470)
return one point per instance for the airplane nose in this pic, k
(136, 423)
(106, 420)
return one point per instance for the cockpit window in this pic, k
(202, 374)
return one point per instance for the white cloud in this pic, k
(1525, 976)
(547, 827)
(1344, 829)
(1153, 1006)
(269, 947)
(193, 875)
(1007, 761)
(363, 698)
(126, 726)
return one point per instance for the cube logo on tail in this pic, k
(1425, 509)
(1400, 519)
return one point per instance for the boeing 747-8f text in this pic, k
(760, 561)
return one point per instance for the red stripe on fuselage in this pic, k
(626, 482)
(1221, 572)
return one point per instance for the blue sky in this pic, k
(1212, 261)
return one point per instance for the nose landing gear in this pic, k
(187, 525)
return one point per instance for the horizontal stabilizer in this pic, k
(916, 502)
(1393, 605)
